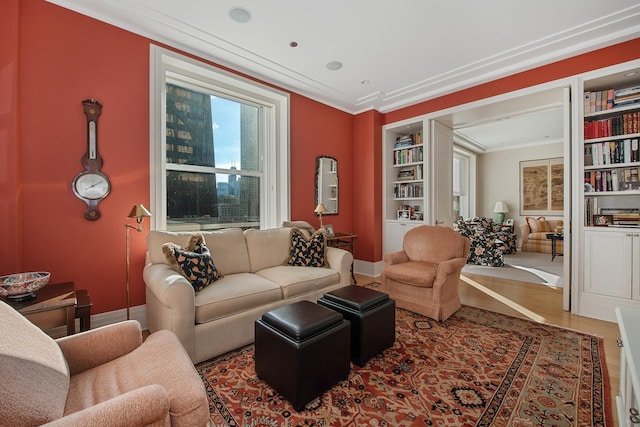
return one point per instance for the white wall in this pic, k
(498, 175)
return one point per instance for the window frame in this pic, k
(274, 132)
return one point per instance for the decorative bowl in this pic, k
(23, 283)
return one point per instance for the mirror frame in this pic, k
(320, 181)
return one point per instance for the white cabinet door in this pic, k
(394, 235)
(608, 263)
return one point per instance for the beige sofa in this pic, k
(221, 316)
(534, 234)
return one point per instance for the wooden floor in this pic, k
(545, 302)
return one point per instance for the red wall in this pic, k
(600, 58)
(64, 58)
(51, 59)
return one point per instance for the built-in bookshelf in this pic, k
(406, 177)
(608, 234)
(611, 152)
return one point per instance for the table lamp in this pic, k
(500, 208)
(320, 209)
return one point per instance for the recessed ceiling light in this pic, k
(240, 15)
(631, 73)
(293, 44)
(365, 82)
(334, 65)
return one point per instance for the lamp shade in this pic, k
(500, 207)
(320, 209)
(139, 211)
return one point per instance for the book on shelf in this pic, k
(607, 99)
(611, 152)
(408, 140)
(588, 157)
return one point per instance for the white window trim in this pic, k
(275, 204)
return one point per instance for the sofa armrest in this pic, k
(148, 405)
(170, 301)
(98, 346)
(395, 258)
(524, 232)
(340, 260)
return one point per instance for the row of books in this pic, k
(412, 172)
(404, 191)
(407, 155)
(611, 152)
(624, 217)
(611, 180)
(409, 139)
(608, 99)
(622, 125)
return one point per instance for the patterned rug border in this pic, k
(598, 394)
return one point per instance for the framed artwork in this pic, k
(404, 214)
(602, 220)
(542, 187)
(329, 230)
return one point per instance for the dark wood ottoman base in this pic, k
(302, 350)
(373, 319)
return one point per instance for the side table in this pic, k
(344, 241)
(554, 237)
(56, 305)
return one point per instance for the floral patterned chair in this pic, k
(488, 240)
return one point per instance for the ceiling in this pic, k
(392, 54)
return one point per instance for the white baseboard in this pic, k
(368, 268)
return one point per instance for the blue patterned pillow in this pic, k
(307, 253)
(194, 262)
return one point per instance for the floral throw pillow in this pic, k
(307, 252)
(194, 262)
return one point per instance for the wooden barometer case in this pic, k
(91, 185)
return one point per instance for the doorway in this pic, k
(516, 122)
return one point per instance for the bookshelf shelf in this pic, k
(608, 231)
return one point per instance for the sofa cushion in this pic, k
(296, 280)
(415, 273)
(307, 252)
(227, 246)
(234, 294)
(194, 262)
(267, 248)
(537, 224)
(34, 373)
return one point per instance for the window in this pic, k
(219, 147)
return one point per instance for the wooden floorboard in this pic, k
(547, 303)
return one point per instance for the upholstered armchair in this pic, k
(488, 240)
(424, 276)
(106, 376)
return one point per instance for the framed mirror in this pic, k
(327, 184)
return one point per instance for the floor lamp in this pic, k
(139, 212)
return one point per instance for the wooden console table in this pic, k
(344, 241)
(56, 305)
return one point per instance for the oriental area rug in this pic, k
(477, 368)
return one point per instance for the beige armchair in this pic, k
(106, 376)
(424, 276)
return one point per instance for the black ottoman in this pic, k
(373, 319)
(301, 350)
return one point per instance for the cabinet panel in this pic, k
(608, 263)
(394, 235)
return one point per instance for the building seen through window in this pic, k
(213, 170)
